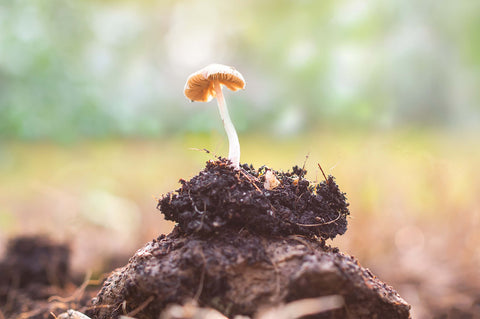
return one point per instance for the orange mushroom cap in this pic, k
(199, 86)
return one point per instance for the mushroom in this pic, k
(204, 85)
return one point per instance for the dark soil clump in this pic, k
(239, 273)
(36, 260)
(221, 198)
(247, 240)
(34, 273)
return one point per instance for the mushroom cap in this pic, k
(199, 86)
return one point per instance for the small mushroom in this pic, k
(204, 85)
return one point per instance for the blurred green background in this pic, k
(71, 70)
(383, 94)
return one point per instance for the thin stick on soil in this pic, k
(321, 224)
(326, 179)
(202, 279)
(97, 307)
(305, 162)
(77, 293)
(141, 307)
(251, 181)
(200, 150)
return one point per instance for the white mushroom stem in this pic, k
(234, 144)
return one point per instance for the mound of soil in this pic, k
(35, 260)
(33, 270)
(239, 273)
(247, 239)
(221, 198)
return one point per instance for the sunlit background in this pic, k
(94, 125)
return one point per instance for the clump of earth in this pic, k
(247, 242)
(34, 275)
(221, 199)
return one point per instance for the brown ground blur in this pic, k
(414, 200)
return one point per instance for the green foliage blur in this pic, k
(95, 69)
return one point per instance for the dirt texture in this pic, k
(247, 240)
(34, 273)
(221, 198)
(240, 273)
(36, 260)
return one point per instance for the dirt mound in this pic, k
(35, 280)
(239, 273)
(32, 270)
(221, 198)
(35, 260)
(245, 240)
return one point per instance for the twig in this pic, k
(77, 293)
(193, 204)
(251, 181)
(321, 224)
(141, 307)
(202, 277)
(326, 179)
(199, 150)
(97, 307)
(305, 162)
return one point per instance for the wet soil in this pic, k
(240, 273)
(221, 198)
(246, 240)
(35, 277)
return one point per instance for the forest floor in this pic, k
(414, 220)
